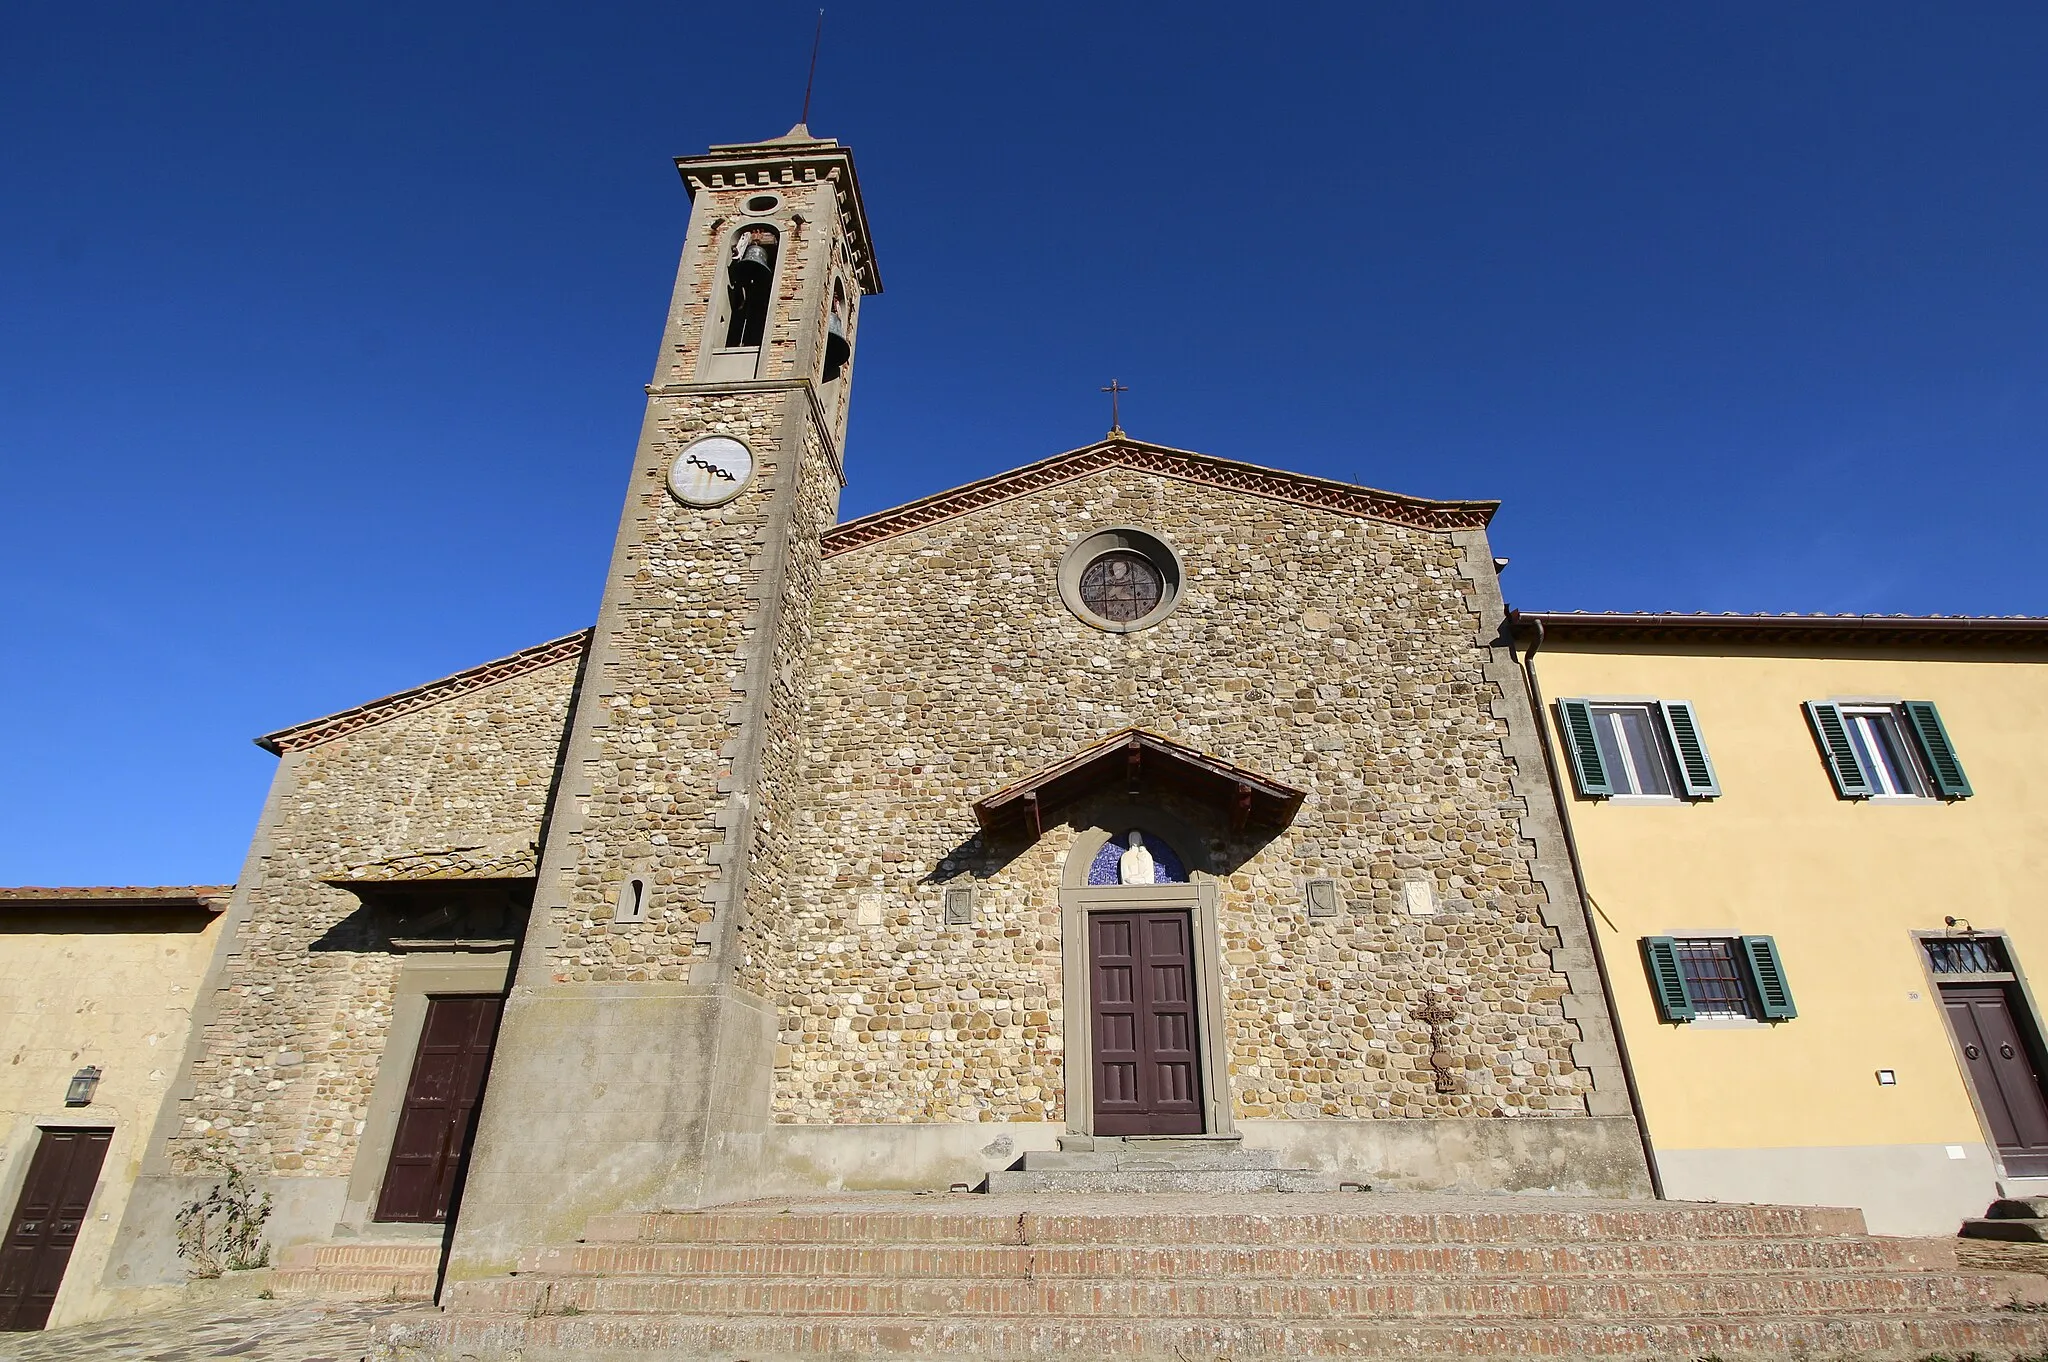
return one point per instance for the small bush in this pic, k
(223, 1230)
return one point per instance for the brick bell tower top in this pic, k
(776, 263)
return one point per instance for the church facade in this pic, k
(1133, 792)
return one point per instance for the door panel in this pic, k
(439, 1119)
(2000, 1064)
(54, 1197)
(1141, 972)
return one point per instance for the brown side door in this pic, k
(1142, 987)
(2001, 1068)
(60, 1180)
(439, 1120)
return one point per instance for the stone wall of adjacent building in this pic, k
(301, 1011)
(1340, 655)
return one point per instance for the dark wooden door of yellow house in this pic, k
(2001, 1066)
(439, 1120)
(1142, 983)
(54, 1196)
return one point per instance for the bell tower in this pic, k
(635, 1061)
(773, 271)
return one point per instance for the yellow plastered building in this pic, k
(97, 992)
(1815, 851)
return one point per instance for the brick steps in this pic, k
(1534, 1298)
(1184, 1261)
(1275, 1222)
(546, 1339)
(404, 1271)
(1196, 1278)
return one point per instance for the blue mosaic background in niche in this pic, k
(1102, 870)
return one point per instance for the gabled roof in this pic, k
(211, 898)
(1138, 761)
(1953, 631)
(1122, 452)
(532, 659)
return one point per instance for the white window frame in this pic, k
(1603, 713)
(1902, 744)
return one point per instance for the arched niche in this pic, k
(1098, 826)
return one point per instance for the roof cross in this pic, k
(1116, 424)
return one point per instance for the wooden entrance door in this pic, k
(439, 1119)
(61, 1176)
(1141, 979)
(2001, 1068)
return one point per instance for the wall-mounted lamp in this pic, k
(79, 1094)
(1886, 1078)
(1963, 922)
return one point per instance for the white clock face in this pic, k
(711, 472)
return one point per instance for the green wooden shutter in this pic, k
(1767, 972)
(1851, 780)
(1587, 767)
(1949, 780)
(1667, 980)
(1695, 768)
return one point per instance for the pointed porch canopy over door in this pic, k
(1135, 762)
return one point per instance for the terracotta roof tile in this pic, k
(1251, 479)
(213, 897)
(422, 697)
(1957, 631)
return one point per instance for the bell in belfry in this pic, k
(753, 261)
(837, 350)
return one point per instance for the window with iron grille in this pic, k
(1715, 979)
(1966, 955)
(1718, 976)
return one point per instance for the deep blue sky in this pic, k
(322, 327)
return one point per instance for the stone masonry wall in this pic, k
(658, 781)
(1337, 654)
(764, 931)
(305, 1003)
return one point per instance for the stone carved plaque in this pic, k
(711, 471)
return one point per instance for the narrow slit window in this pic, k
(632, 903)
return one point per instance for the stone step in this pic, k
(1638, 1298)
(1187, 1261)
(557, 1338)
(1146, 1155)
(1297, 1221)
(2009, 1229)
(1155, 1181)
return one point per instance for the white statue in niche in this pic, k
(1136, 866)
